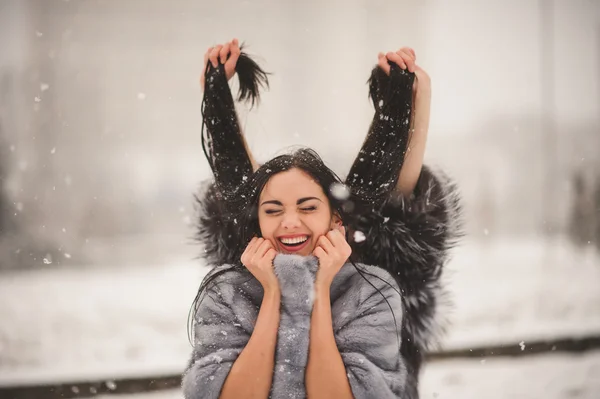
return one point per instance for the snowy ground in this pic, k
(544, 376)
(60, 325)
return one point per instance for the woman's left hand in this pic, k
(406, 58)
(333, 251)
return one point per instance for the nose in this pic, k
(290, 221)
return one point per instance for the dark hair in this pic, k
(305, 159)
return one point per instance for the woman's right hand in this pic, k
(227, 54)
(258, 259)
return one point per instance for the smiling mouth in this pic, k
(294, 244)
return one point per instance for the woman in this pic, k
(307, 311)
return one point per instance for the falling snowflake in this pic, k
(111, 385)
(44, 86)
(359, 236)
(340, 191)
(522, 345)
(141, 96)
(53, 151)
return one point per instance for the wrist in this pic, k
(272, 292)
(322, 286)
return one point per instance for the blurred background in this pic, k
(100, 154)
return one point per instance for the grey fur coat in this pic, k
(367, 332)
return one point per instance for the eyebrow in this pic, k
(300, 201)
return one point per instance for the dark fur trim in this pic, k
(216, 229)
(411, 239)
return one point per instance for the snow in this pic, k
(107, 323)
(518, 290)
(544, 376)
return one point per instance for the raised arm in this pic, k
(223, 143)
(226, 151)
(375, 171)
(413, 217)
(415, 152)
(392, 155)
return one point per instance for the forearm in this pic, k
(255, 165)
(413, 161)
(224, 145)
(325, 372)
(252, 373)
(375, 171)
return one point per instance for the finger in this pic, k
(214, 54)
(206, 55)
(410, 51)
(270, 255)
(262, 249)
(383, 63)
(233, 57)
(408, 60)
(396, 59)
(337, 236)
(252, 243)
(249, 248)
(259, 240)
(326, 244)
(224, 52)
(319, 253)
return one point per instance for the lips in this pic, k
(294, 247)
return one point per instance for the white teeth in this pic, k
(296, 240)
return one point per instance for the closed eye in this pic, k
(308, 208)
(271, 211)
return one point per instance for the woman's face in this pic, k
(294, 212)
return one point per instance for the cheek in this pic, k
(267, 226)
(319, 224)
